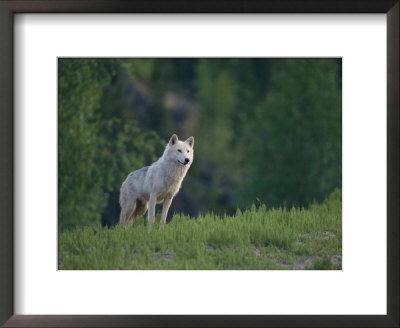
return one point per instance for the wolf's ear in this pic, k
(190, 141)
(173, 139)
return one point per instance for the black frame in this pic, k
(9, 7)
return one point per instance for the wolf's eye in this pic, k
(188, 151)
(179, 150)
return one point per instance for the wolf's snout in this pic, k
(187, 160)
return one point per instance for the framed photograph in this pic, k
(184, 130)
(267, 132)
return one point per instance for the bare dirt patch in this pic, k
(328, 235)
(209, 247)
(166, 256)
(336, 259)
(298, 265)
(257, 251)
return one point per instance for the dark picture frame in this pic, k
(7, 10)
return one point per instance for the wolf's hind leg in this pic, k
(122, 217)
(132, 214)
(127, 213)
(141, 207)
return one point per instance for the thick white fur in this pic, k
(158, 183)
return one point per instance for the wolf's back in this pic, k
(133, 182)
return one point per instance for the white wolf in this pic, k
(157, 183)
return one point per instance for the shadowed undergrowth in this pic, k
(258, 238)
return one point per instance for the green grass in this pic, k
(258, 238)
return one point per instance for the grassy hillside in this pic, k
(258, 238)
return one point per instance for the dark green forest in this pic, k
(267, 131)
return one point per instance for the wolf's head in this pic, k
(181, 152)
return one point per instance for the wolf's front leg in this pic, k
(166, 205)
(152, 209)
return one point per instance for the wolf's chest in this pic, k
(170, 184)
